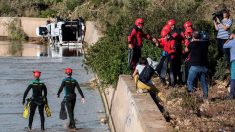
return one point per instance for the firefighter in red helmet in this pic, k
(135, 39)
(167, 56)
(187, 24)
(68, 85)
(171, 23)
(37, 100)
(176, 35)
(186, 55)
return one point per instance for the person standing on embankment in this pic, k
(230, 44)
(135, 39)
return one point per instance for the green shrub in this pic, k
(189, 102)
(108, 57)
(98, 2)
(15, 32)
(6, 9)
(104, 58)
(48, 13)
(220, 72)
(71, 4)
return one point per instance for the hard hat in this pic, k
(68, 71)
(188, 32)
(167, 27)
(139, 22)
(164, 33)
(171, 22)
(36, 73)
(187, 24)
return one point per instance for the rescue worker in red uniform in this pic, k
(168, 55)
(188, 24)
(135, 39)
(176, 35)
(186, 57)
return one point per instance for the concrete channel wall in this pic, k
(92, 33)
(132, 112)
(29, 26)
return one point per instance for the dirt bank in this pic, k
(192, 114)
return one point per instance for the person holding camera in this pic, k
(222, 25)
(198, 60)
(230, 45)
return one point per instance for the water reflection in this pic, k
(60, 51)
(8, 48)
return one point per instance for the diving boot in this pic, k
(73, 126)
(42, 127)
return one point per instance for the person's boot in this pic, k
(73, 125)
(69, 125)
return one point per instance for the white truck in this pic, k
(63, 33)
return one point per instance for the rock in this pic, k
(177, 127)
(187, 122)
(220, 92)
(103, 120)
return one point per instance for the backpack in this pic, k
(146, 74)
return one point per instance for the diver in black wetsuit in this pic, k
(69, 84)
(37, 99)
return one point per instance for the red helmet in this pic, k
(167, 27)
(164, 33)
(139, 22)
(187, 24)
(188, 32)
(171, 22)
(68, 71)
(36, 73)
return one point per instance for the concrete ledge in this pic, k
(132, 112)
(27, 24)
(92, 34)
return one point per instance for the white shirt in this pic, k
(140, 68)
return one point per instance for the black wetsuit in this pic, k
(37, 100)
(69, 84)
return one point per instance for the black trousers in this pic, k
(70, 104)
(33, 107)
(174, 70)
(163, 67)
(136, 55)
(222, 51)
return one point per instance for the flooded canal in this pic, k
(17, 62)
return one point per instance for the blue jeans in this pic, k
(232, 81)
(199, 71)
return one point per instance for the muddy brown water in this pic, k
(17, 61)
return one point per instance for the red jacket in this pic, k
(167, 45)
(136, 37)
(177, 36)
